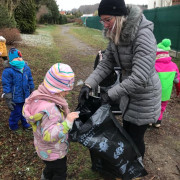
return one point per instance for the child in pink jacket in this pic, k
(48, 113)
(168, 73)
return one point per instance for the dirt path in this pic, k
(82, 48)
(162, 158)
(75, 54)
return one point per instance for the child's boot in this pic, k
(42, 177)
(150, 125)
(28, 128)
(25, 125)
(157, 124)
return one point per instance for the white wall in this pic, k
(158, 3)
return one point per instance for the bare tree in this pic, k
(168, 2)
(41, 12)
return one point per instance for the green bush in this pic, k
(25, 16)
(62, 19)
(6, 21)
(46, 18)
(70, 16)
(78, 21)
(51, 12)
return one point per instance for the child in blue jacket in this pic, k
(17, 85)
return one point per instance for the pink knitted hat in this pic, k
(60, 77)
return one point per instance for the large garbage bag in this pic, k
(112, 151)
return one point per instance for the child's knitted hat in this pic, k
(14, 53)
(60, 77)
(165, 45)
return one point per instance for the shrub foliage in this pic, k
(62, 19)
(25, 16)
(6, 21)
(52, 16)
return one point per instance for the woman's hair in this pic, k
(119, 20)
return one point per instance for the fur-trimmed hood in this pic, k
(131, 25)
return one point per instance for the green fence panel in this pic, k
(84, 20)
(93, 22)
(166, 24)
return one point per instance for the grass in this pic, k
(90, 36)
(43, 29)
(41, 58)
(86, 58)
(67, 46)
(177, 61)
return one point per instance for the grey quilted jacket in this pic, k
(139, 92)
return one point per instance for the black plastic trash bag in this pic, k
(112, 151)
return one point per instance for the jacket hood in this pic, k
(40, 102)
(135, 21)
(2, 39)
(131, 25)
(34, 111)
(164, 60)
(6, 64)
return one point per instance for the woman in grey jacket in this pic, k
(132, 47)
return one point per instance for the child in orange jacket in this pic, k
(3, 49)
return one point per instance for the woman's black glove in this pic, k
(84, 94)
(105, 99)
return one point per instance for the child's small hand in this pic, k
(72, 116)
(0, 53)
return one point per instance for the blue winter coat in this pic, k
(18, 83)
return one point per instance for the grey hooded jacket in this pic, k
(139, 92)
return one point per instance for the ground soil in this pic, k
(162, 157)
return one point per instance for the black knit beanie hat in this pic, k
(112, 7)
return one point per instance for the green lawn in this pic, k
(177, 61)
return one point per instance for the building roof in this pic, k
(62, 12)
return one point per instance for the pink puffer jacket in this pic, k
(50, 128)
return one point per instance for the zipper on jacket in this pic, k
(13, 93)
